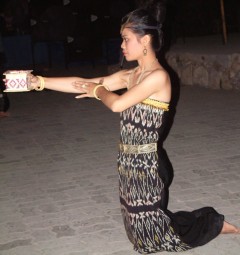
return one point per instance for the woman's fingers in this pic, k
(84, 87)
(81, 96)
(33, 78)
(33, 82)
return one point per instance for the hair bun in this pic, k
(157, 8)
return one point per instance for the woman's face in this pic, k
(131, 45)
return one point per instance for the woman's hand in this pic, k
(84, 87)
(34, 82)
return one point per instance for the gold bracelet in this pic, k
(96, 88)
(42, 83)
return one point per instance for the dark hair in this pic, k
(147, 20)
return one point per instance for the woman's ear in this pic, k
(145, 40)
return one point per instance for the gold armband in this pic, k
(42, 83)
(96, 88)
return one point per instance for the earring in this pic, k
(145, 51)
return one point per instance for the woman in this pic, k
(143, 173)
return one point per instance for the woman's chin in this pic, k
(128, 58)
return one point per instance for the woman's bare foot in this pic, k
(229, 229)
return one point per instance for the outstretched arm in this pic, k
(157, 86)
(63, 84)
(66, 84)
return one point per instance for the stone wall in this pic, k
(206, 63)
(207, 70)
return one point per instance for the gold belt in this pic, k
(138, 149)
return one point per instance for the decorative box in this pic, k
(17, 80)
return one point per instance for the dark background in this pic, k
(48, 26)
(194, 17)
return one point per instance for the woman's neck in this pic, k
(144, 67)
(147, 63)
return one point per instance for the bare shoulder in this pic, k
(161, 75)
(160, 81)
(159, 78)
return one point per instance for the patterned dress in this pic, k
(142, 185)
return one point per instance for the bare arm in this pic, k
(66, 84)
(157, 86)
(63, 84)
